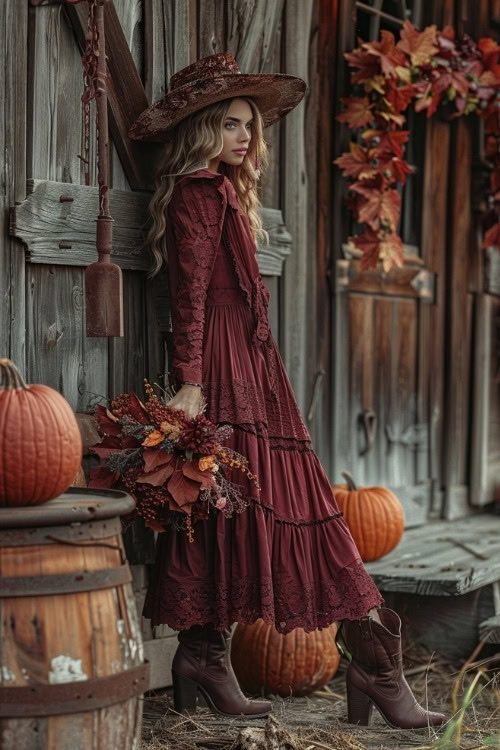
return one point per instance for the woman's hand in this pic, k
(187, 398)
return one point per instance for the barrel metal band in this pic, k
(74, 697)
(78, 532)
(64, 583)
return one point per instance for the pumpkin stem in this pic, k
(351, 484)
(10, 377)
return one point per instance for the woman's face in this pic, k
(237, 132)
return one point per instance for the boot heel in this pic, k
(359, 706)
(185, 691)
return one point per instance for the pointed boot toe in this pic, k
(375, 674)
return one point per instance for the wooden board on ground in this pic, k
(442, 558)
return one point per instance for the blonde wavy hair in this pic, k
(195, 141)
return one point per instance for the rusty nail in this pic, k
(65, 245)
(66, 199)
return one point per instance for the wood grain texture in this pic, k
(64, 232)
(167, 44)
(458, 350)
(485, 440)
(298, 347)
(13, 82)
(443, 558)
(59, 354)
(95, 632)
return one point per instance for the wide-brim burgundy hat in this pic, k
(211, 80)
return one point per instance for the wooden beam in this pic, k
(56, 222)
(126, 95)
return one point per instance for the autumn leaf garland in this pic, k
(429, 68)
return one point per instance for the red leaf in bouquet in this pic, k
(155, 458)
(158, 477)
(420, 46)
(191, 470)
(154, 524)
(358, 111)
(356, 163)
(391, 252)
(448, 33)
(379, 206)
(368, 64)
(400, 169)
(109, 445)
(130, 442)
(107, 422)
(490, 51)
(492, 237)
(137, 409)
(103, 477)
(184, 491)
(390, 56)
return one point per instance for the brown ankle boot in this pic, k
(375, 674)
(202, 663)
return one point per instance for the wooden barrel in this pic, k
(72, 670)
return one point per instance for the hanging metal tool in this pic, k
(103, 279)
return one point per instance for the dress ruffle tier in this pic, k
(289, 557)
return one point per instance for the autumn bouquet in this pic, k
(172, 465)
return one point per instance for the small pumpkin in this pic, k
(374, 516)
(40, 443)
(293, 664)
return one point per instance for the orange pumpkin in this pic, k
(40, 443)
(293, 664)
(374, 516)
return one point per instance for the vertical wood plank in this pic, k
(430, 406)
(327, 19)
(59, 354)
(296, 345)
(167, 43)
(13, 81)
(212, 27)
(458, 325)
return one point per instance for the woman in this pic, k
(289, 556)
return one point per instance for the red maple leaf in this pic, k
(492, 237)
(153, 459)
(369, 244)
(103, 477)
(390, 56)
(452, 79)
(398, 96)
(401, 169)
(389, 142)
(184, 491)
(191, 470)
(379, 207)
(356, 163)
(391, 252)
(490, 51)
(420, 46)
(369, 65)
(358, 111)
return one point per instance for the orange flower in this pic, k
(207, 462)
(153, 439)
(171, 430)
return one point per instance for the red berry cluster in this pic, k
(121, 405)
(199, 436)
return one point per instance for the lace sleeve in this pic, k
(196, 214)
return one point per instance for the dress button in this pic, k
(262, 331)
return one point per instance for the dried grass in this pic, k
(467, 693)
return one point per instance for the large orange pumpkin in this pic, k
(374, 516)
(293, 664)
(40, 443)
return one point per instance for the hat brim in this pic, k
(274, 94)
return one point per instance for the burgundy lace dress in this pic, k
(289, 557)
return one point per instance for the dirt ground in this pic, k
(318, 722)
